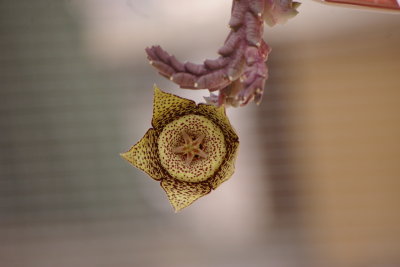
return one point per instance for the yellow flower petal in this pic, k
(168, 107)
(183, 189)
(227, 167)
(182, 194)
(218, 116)
(144, 155)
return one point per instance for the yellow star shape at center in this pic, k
(191, 148)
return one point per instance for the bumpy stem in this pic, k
(239, 74)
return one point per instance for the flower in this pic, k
(190, 150)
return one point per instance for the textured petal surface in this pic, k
(227, 167)
(168, 107)
(144, 156)
(201, 168)
(218, 116)
(182, 194)
(206, 124)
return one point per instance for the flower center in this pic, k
(191, 148)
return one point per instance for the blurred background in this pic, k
(318, 174)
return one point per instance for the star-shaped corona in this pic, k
(190, 150)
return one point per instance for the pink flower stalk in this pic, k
(382, 4)
(239, 74)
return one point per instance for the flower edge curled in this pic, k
(144, 154)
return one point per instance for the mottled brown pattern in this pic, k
(144, 155)
(214, 146)
(218, 116)
(172, 115)
(168, 107)
(182, 194)
(227, 167)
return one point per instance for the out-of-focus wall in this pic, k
(350, 92)
(335, 97)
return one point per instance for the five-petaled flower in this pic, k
(191, 148)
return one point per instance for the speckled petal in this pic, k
(144, 156)
(168, 107)
(227, 167)
(213, 145)
(170, 116)
(218, 116)
(182, 194)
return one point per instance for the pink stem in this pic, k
(239, 74)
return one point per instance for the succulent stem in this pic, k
(243, 54)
